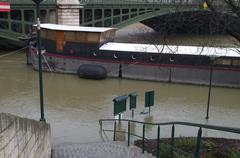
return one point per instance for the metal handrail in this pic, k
(199, 134)
(213, 127)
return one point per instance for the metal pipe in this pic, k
(114, 132)
(40, 60)
(143, 138)
(128, 133)
(198, 145)
(209, 89)
(158, 142)
(172, 141)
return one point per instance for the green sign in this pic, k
(133, 100)
(149, 98)
(119, 104)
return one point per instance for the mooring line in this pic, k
(14, 52)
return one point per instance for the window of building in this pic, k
(28, 28)
(16, 15)
(29, 15)
(4, 25)
(16, 27)
(3, 15)
(43, 16)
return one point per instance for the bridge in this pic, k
(120, 13)
(99, 13)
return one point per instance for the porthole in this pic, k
(152, 58)
(115, 56)
(171, 59)
(94, 54)
(133, 57)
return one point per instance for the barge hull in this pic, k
(139, 71)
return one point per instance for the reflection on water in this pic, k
(74, 106)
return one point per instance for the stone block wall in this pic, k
(24, 138)
(68, 12)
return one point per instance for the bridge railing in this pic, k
(169, 2)
(195, 154)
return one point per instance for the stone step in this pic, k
(99, 150)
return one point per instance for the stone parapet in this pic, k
(68, 12)
(24, 138)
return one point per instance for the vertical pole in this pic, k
(143, 138)
(132, 113)
(120, 71)
(172, 141)
(209, 90)
(158, 142)
(40, 62)
(198, 145)
(101, 125)
(114, 131)
(128, 133)
(119, 118)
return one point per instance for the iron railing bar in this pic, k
(147, 139)
(213, 127)
(132, 134)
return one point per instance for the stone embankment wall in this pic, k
(24, 138)
(68, 12)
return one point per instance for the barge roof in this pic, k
(75, 28)
(172, 49)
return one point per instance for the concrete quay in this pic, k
(107, 149)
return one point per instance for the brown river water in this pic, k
(73, 106)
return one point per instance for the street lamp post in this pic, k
(212, 58)
(39, 59)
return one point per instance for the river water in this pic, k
(73, 106)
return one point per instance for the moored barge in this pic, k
(67, 49)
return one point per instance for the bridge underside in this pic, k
(164, 19)
(193, 22)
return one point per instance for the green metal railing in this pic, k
(196, 153)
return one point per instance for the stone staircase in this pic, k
(107, 149)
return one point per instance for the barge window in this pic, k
(93, 37)
(16, 27)
(29, 15)
(236, 62)
(70, 37)
(3, 15)
(43, 16)
(223, 61)
(81, 37)
(16, 15)
(43, 33)
(51, 35)
(4, 25)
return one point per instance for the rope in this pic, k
(14, 52)
(47, 63)
(124, 68)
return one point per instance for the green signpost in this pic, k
(149, 99)
(119, 105)
(133, 102)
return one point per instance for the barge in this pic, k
(90, 51)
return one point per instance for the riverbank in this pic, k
(185, 147)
